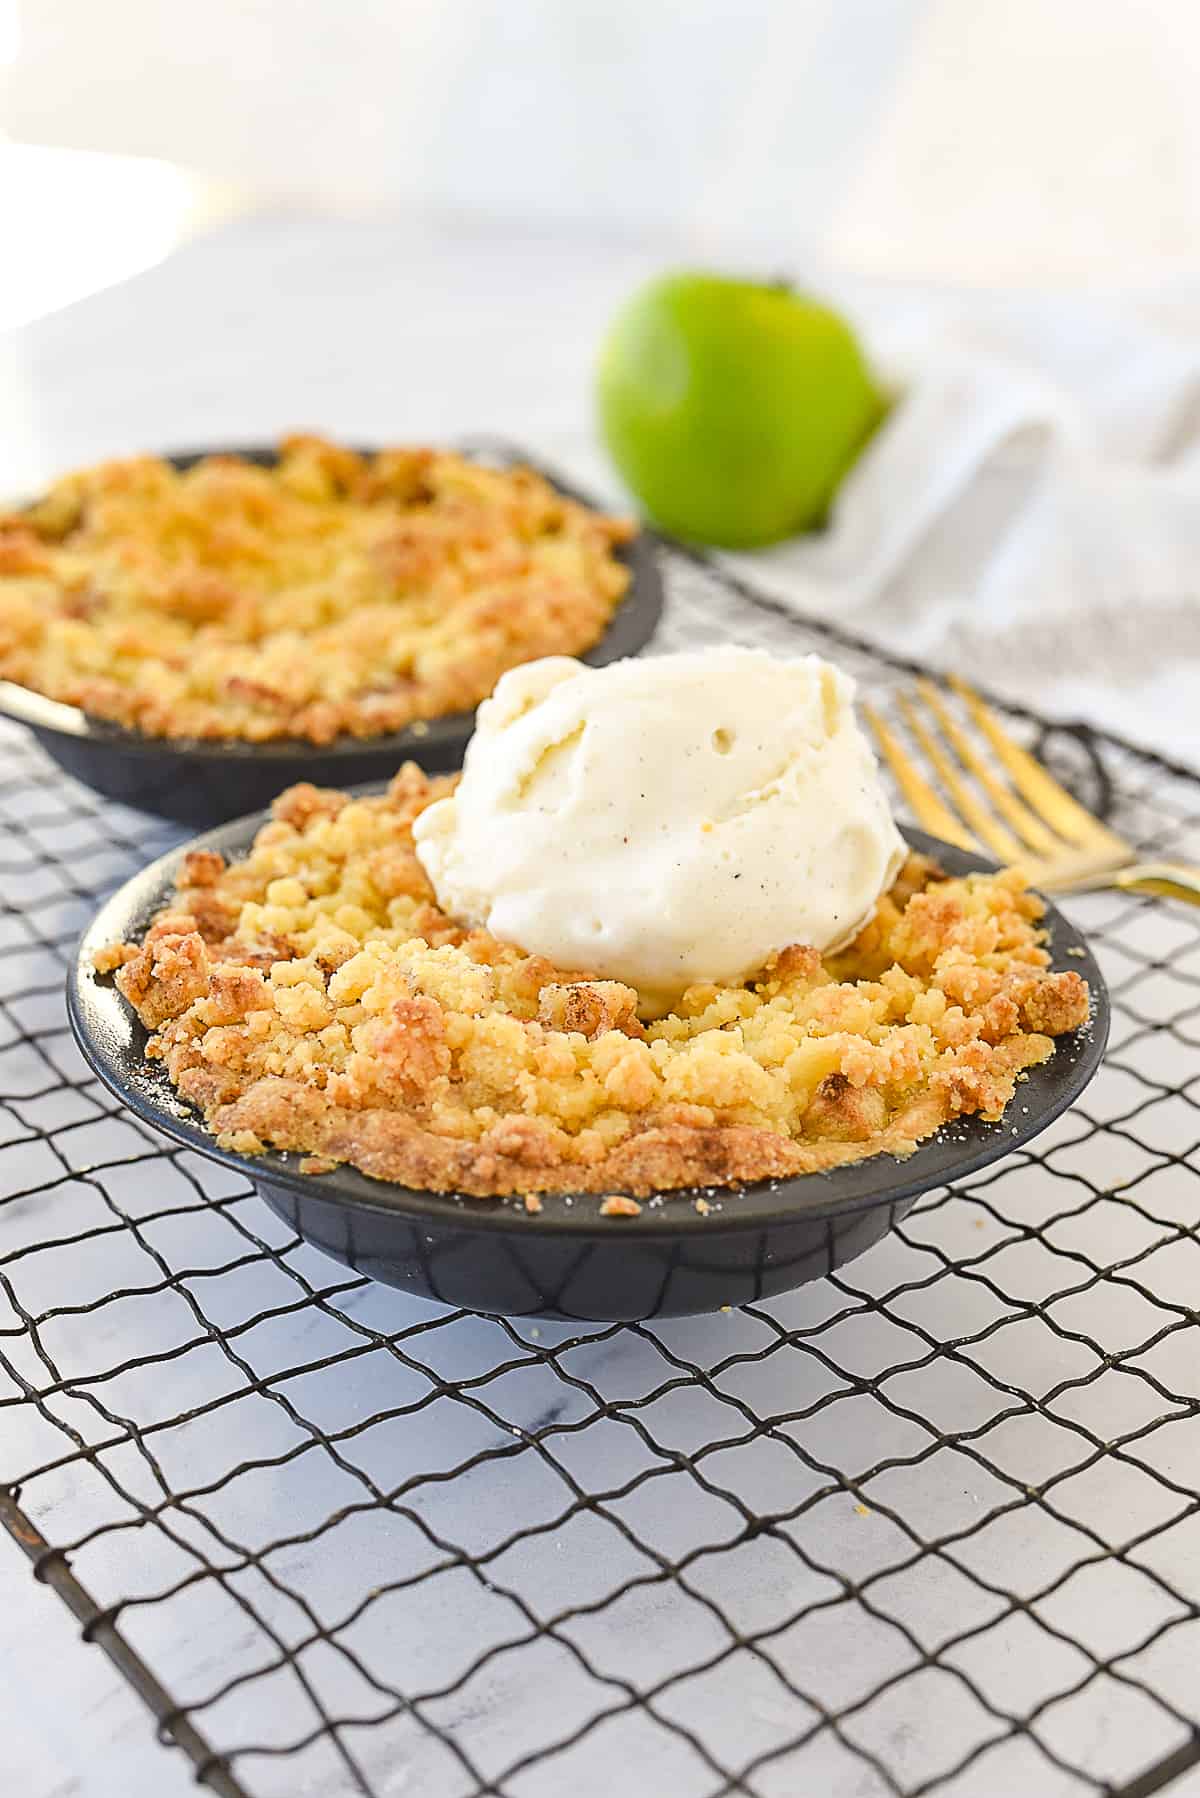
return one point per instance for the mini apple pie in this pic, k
(314, 997)
(330, 594)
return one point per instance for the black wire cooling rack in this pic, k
(929, 1525)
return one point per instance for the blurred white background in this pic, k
(967, 140)
(402, 217)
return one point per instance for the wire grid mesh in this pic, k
(931, 1524)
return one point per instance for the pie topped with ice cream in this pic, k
(371, 984)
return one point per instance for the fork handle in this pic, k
(1170, 880)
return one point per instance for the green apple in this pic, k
(733, 408)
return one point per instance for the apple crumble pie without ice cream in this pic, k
(330, 594)
(323, 995)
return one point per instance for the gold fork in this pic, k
(1014, 807)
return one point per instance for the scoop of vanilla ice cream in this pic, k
(665, 821)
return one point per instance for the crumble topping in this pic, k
(313, 997)
(331, 593)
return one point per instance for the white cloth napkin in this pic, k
(1030, 511)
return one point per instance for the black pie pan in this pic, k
(490, 1255)
(203, 783)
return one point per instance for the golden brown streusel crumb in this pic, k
(112, 956)
(314, 997)
(591, 1007)
(332, 593)
(617, 1205)
(317, 1164)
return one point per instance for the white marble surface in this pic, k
(368, 332)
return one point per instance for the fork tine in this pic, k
(1070, 819)
(984, 823)
(925, 803)
(1028, 827)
